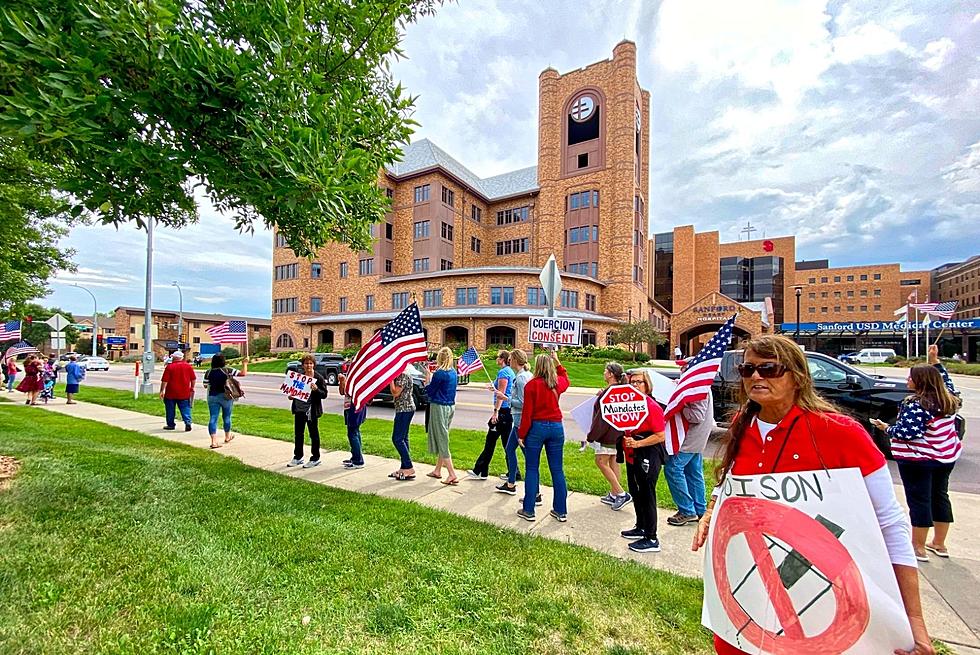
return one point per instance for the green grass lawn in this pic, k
(466, 445)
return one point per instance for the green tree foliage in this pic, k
(635, 334)
(230, 353)
(29, 229)
(259, 345)
(38, 331)
(84, 346)
(279, 112)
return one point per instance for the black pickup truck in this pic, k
(328, 365)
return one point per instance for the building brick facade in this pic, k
(959, 281)
(128, 322)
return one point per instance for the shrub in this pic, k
(230, 353)
(609, 353)
(350, 350)
(325, 348)
(642, 357)
(259, 346)
(129, 359)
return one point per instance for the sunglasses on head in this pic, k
(766, 370)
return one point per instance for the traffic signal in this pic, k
(29, 320)
(99, 338)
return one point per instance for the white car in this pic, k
(94, 363)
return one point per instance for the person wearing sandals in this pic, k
(541, 429)
(606, 441)
(518, 361)
(402, 390)
(925, 446)
(218, 404)
(306, 416)
(440, 386)
(645, 456)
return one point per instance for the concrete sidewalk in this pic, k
(949, 587)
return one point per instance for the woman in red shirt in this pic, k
(784, 426)
(541, 428)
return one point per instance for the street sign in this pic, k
(624, 407)
(554, 331)
(116, 341)
(58, 341)
(551, 283)
(58, 322)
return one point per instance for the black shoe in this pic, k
(170, 427)
(561, 518)
(506, 489)
(538, 501)
(633, 533)
(645, 546)
(187, 427)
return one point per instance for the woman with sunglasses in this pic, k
(783, 426)
(645, 456)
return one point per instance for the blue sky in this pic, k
(853, 125)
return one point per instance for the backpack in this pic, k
(233, 390)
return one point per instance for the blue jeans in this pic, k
(183, 405)
(10, 382)
(510, 454)
(399, 437)
(218, 403)
(353, 420)
(685, 479)
(550, 436)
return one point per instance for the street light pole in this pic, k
(180, 315)
(146, 385)
(95, 317)
(799, 292)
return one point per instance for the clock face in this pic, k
(582, 109)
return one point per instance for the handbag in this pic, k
(960, 424)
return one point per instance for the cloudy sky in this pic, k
(853, 125)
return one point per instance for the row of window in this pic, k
(285, 305)
(584, 268)
(512, 246)
(837, 294)
(849, 278)
(582, 234)
(433, 298)
(582, 200)
(285, 272)
(515, 215)
(850, 308)
(496, 340)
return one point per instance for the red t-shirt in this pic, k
(180, 377)
(540, 402)
(653, 424)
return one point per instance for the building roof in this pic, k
(423, 155)
(496, 311)
(197, 316)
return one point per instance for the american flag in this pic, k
(944, 309)
(10, 331)
(695, 384)
(924, 306)
(400, 342)
(229, 332)
(20, 348)
(469, 361)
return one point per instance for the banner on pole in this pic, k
(297, 385)
(552, 330)
(795, 563)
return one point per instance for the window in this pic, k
(512, 246)
(389, 231)
(536, 297)
(877, 276)
(877, 308)
(850, 308)
(197, 324)
(850, 278)
(445, 265)
(569, 298)
(389, 193)
(420, 265)
(582, 200)
(610, 338)
(432, 298)
(476, 213)
(306, 343)
(910, 283)
(837, 278)
(837, 294)
(864, 278)
(369, 302)
(475, 244)
(399, 300)
(284, 305)
(877, 292)
(823, 294)
(864, 308)
(501, 295)
(388, 266)
(823, 280)
(823, 310)
(421, 230)
(812, 280)
(280, 240)
(837, 308)
(516, 215)
(466, 295)
(196, 340)
(448, 196)
(582, 234)
(422, 193)
(812, 310)
(850, 294)
(583, 160)
(315, 304)
(284, 341)
(342, 304)
(343, 269)
(812, 295)
(316, 270)
(285, 272)
(588, 338)
(447, 231)
(365, 267)
(864, 292)
(590, 302)
(637, 273)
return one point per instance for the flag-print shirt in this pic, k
(919, 435)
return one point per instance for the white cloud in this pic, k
(936, 53)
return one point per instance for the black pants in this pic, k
(927, 492)
(641, 479)
(299, 422)
(495, 432)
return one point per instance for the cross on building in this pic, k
(748, 229)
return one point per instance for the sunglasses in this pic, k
(766, 370)
(638, 382)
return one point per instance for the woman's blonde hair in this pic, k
(646, 378)
(544, 368)
(518, 358)
(444, 359)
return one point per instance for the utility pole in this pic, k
(95, 318)
(180, 316)
(146, 386)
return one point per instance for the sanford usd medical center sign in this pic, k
(896, 327)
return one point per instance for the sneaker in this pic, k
(346, 462)
(351, 465)
(524, 515)
(621, 502)
(681, 519)
(310, 464)
(633, 533)
(538, 501)
(170, 427)
(561, 518)
(187, 427)
(608, 499)
(503, 476)
(473, 475)
(295, 462)
(645, 546)
(506, 489)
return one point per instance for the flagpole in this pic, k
(917, 331)
(245, 363)
(928, 316)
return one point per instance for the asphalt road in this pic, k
(473, 409)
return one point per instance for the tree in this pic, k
(84, 346)
(638, 333)
(259, 345)
(29, 229)
(279, 112)
(37, 331)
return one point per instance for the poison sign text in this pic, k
(553, 330)
(623, 407)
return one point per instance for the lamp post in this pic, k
(95, 317)
(146, 383)
(799, 292)
(180, 315)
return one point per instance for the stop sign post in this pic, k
(624, 407)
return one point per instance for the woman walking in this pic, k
(441, 389)
(607, 443)
(306, 416)
(403, 392)
(541, 429)
(12, 370)
(925, 445)
(518, 361)
(645, 456)
(32, 384)
(218, 402)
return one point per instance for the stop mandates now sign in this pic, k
(623, 407)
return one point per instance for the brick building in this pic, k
(470, 249)
(960, 281)
(128, 323)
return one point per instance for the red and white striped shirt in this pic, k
(919, 436)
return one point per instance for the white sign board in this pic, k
(796, 563)
(58, 341)
(296, 385)
(555, 331)
(58, 322)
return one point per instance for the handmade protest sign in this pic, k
(796, 563)
(296, 385)
(624, 407)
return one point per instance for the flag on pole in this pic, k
(20, 348)
(469, 361)
(10, 331)
(695, 384)
(903, 311)
(229, 332)
(400, 342)
(944, 309)
(926, 306)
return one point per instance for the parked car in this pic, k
(848, 358)
(418, 382)
(66, 356)
(327, 364)
(873, 355)
(94, 363)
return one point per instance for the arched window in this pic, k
(284, 341)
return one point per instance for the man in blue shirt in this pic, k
(75, 373)
(501, 421)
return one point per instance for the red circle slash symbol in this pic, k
(755, 517)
